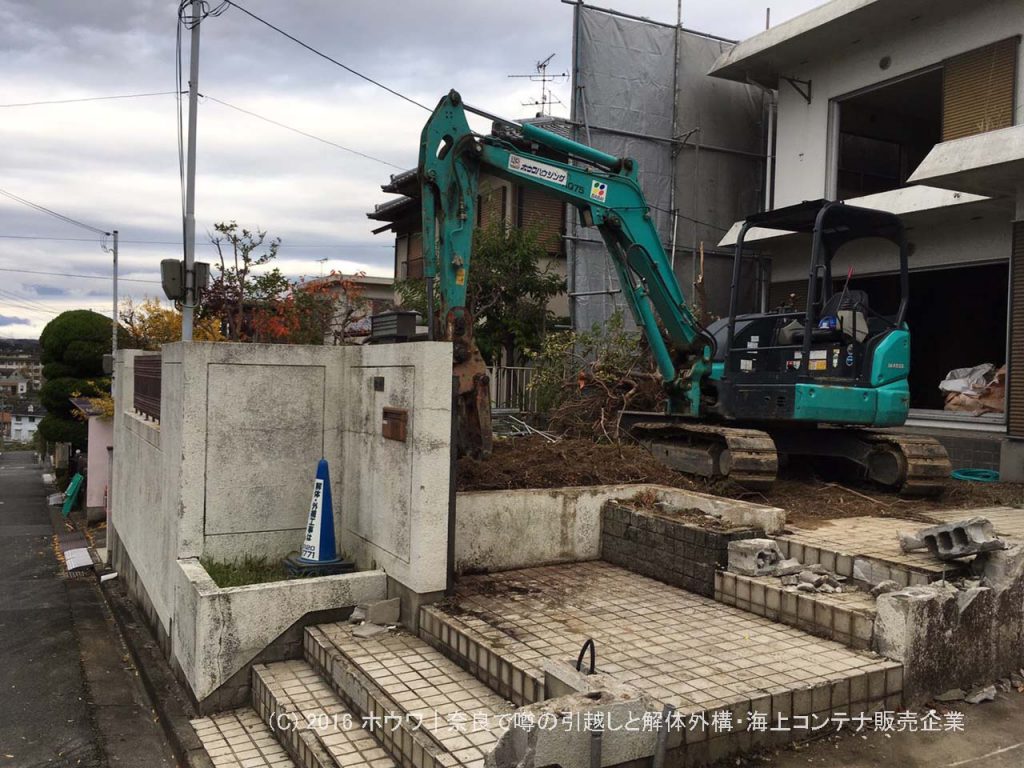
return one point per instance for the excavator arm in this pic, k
(605, 191)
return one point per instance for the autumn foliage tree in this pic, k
(253, 301)
(150, 325)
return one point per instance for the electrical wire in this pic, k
(84, 277)
(50, 212)
(323, 55)
(178, 242)
(301, 132)
(87, 98)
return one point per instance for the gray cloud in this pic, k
(7, 320)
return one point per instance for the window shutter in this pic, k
(978, 90)
(544, 212)
(1015, 367)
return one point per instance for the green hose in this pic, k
(977, 475)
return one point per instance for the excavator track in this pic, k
(746, 456)
(922, 462)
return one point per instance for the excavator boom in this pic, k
(605, 191)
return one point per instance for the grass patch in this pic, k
(248, 570)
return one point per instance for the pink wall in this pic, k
(101, 436)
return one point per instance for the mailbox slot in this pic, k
(395, 424)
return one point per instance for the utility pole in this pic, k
(190, 182)
(113, 332)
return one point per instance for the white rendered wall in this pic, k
(803, 129)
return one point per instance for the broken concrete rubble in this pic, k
(954, 540)
(988, 693)
(788, 567)
(884, 588)
(754, 557)
(569, 744)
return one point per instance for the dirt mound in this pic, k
(808, 494)
(532, 462)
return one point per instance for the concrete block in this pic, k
(368, 630)
(383, 611)
(754, 557)
(954, 540)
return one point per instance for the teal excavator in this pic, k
(819, 380)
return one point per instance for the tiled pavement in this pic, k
(240, 738)
(310, 717)
(675, 646)
(1008, 521)
(836, 543)
(403, 675)
(846, 617)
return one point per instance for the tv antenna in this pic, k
(547, 98)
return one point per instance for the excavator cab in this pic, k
(833, 360)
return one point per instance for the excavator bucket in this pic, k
(473, 437)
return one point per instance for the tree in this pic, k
(237, 292)
(73, 345)
(507, 293)
(150, 325)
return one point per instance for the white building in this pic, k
(24, 424)
(914, 107)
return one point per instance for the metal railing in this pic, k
(510, 389)
(147, 386)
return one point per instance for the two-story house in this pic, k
(25, 423)
(499, 200)
(914, 107)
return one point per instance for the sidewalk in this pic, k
(70, 696)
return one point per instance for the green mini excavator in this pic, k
(817, 380)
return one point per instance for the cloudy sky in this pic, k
(113, 164)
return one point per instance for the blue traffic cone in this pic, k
(319, 554)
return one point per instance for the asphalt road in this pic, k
(44, 713)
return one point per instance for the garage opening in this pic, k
(957, 318)
(885, 133)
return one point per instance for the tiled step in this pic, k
(867, 549)
(239, 738)
(847, 617)
(311, 721)
(426, 710)
(674, 646)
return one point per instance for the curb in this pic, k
(167, 696)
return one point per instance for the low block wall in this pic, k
(670, 550)
(219, 632)
(948, 637)
(505, 530)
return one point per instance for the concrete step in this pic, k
(311, 721)
(239, 738)
(847, 617)
(867, 550)
(427, 711)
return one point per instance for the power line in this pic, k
(323, 55)
(87, 98)
(300, 132)
(68, 274)
(49, 212)
(178, 242)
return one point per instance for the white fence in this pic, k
(510, 389)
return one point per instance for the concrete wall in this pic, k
(938, 242)
(563, 525)
(228, 471)
(803, 129)
(394, 494)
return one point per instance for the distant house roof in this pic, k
(86, 406)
